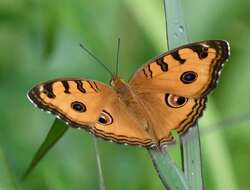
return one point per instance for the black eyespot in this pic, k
(188, 77)
(105, 118)
(102, 120)
(78, 106)
(175, 101)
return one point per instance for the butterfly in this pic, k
(169, 92)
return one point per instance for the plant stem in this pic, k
(191, 158)
(169, 173)
(171, 176)
(98, 161)
(175, 27)
(190, 143)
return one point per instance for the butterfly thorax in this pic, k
(120, 87)
(134, 106)
(128, 97)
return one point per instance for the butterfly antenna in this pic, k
(96, 58)
(117, 56)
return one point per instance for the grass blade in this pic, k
(170, 175)
(56, 132)
(175, 25)
(190, 143)
(191, 155)
(99, 165)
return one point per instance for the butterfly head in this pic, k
(118, 84)
(116, 81)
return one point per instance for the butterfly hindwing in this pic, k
(90, 105)
(191, 70)
(122, 126)
(168, 112)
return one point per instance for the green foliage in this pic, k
(40, 41)
(56, 132)
(6, 178)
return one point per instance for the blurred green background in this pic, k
(39, 40)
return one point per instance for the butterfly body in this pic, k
(134, 106)
(168, 93)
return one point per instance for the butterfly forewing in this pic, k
(71, 100)
(191, 70)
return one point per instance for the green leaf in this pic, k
(56, 132)
(175, 25)
(167, 170)
(170, 175)
(190, 142)
(191, 155)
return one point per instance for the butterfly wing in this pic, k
(124, 127)
(166, 114)
(173, 86)
(191, 70)
(89, 105)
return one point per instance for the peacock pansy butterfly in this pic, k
(169, 92)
